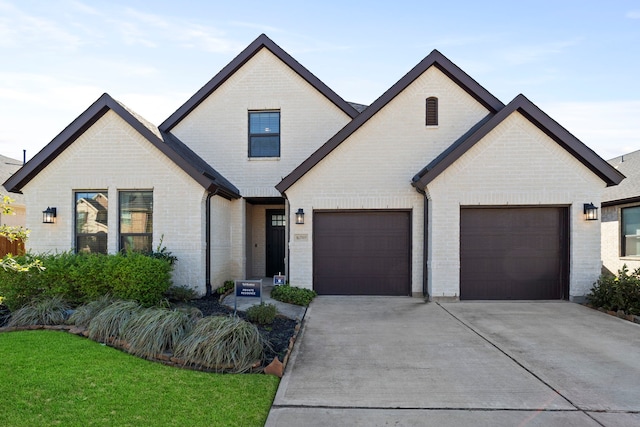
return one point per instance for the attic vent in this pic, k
(432, 111)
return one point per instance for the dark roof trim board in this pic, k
(208, 178)
(618, 202)
(436, 59)
(541, 120)
(261, 42)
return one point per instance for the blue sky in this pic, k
(577, 60)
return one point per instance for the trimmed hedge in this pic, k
(80, 278)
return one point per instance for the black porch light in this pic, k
(590, 212)
(48, 215)
(300, 216)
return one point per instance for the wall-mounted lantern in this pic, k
(300, 216)
(48, 215)
(590, 212)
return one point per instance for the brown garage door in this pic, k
(513, 253)
(362, 253)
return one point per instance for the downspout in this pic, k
(425, 245)
(207, 242)
(425, 250)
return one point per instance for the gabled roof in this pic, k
(168, 144)
(261, 42)
(629, 190)
(536, 116)
(436, 59)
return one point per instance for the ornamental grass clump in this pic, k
(83, 315)
(112, 320)
(153, 331)
(222, 344)
(46, 311)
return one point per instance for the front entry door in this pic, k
(276, 221)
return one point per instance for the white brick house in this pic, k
(436, 189)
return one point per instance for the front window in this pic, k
(631, 231)
(136, 220)
(264, 134)
(91, 221)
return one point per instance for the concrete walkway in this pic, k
(291, 311)
(397, 361)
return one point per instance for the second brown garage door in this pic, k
(362, 252)
(513, 253)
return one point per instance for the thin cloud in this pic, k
(633, 14)
(521, 55)
(19, 29)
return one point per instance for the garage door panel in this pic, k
(362, 252)
(512, 253)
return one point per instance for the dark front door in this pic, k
(276, 221)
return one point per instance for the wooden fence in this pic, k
(6, 247)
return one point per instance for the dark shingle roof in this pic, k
(628, 191)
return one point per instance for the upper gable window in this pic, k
(432, 111)
(264, 134)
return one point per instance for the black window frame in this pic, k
(122, 236)
(101, 238)
(252, 136)
(431, 111)
(623, 234)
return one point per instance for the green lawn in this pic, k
(55, 378)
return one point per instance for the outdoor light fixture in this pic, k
(300, 216)
(590, 212)
(48, 215)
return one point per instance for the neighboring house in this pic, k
(436, 189)
(621, 217)
(8, 167)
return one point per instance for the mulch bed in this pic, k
(280, 335)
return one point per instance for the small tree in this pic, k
(14, 233)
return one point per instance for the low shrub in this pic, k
(263, 314)
(47, 311)
(222, 344)
(80, 278)
(152, 331)
(293, 294)
(180, 293)
(621, 292)
(227, 286)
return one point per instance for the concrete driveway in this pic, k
(367, 361)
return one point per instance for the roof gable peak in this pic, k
(261, 42)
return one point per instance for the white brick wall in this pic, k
(374, 167)
(516, 164)
(218, 128)
(611, 259)
(112, 156)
